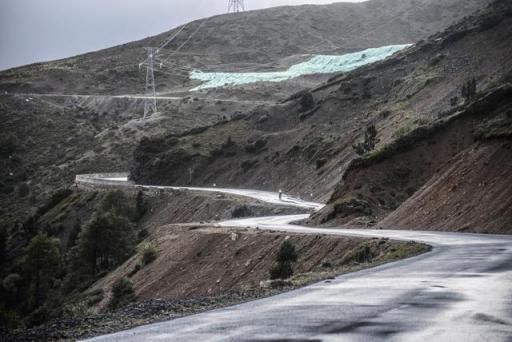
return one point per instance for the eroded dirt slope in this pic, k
(472, 194)
(453, 175)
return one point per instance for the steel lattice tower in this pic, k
(150, 93)
(236, 6)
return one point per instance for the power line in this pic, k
(236, 6)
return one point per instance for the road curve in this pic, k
(460, 291)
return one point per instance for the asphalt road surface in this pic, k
(460, 291)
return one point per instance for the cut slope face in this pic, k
(473, 193)
(439, 177)
(320, 64)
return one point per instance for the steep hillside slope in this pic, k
(305, 144)
(452, 175)
(52, 137)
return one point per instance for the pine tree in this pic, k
(42, 263)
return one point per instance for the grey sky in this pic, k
(41, 30)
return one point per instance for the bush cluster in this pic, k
(286, 256)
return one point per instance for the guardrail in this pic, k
(101, 182)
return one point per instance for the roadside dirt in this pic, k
(472, 194)
(201, 260)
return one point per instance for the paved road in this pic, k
(30, 96)
(460, 291)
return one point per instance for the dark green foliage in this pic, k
(23, 190)
(41, 264)
(105, 241)
(11, 284)
(370, 140)
(95, 297)
(3, 244)
(241, 211)
(8, 144)
(286, 256)
(363, 254)
(117, 203)
(9, 318)
(140, 204)
(149, 253)
(281, 270)
(56, 197)
(468, 90)
(307, 101)
(287, 252)
(122, 294)
(256, 146)
(498, 127)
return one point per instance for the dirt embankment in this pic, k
(472, 194)
(198, 261)
(200, 268)
(437, 177)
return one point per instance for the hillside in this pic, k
(256, 40)
(51, 137)
(305, 145)
(397, 114)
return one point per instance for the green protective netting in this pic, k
(318, 64)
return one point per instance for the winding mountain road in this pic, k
(460, 291)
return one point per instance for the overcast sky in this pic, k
(42, 30)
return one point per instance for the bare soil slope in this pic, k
(452, 175)
(473, 194)
(198, 261)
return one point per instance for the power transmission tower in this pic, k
(236, 6)
(150, 93)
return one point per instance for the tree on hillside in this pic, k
(117, 203)
(468, 90)
(369, 142)
(286, 256)
(8, 145)
(3, 244)
(42, 264)
(140, 204)
(105, 241)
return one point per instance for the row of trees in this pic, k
(45, 275)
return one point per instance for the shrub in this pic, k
(241, 211)
(11, 282)
(286, 256)
(149, 253)
(287, 252)
(3, 244)
(140, 204)
(122, 294)
(468, 90)
(307, 101)
(281, 270)
(8, 145)
(369, 142)
(23, 190)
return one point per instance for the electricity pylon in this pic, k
(150, 92)
(236, 6)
